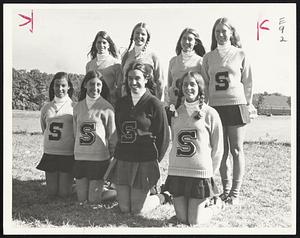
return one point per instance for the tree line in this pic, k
(258, 100)
(30, 90)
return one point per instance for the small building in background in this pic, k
(275, 105)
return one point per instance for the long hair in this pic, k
(200, 82)
(234, 39)
(199, 48)
(112, 47)
(141, 25)
(90, 75)
(60, 75)
(147, 71)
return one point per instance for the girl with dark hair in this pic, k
(228, 77)
(140, 36)
(95, 139)
(104, 58)
(195, 155)
(143, 139)
(189, 50)
(57, 127)
(147, 70)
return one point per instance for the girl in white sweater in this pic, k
(189, 52)
(140, 38)
(228, 76)
(195, 155)
(104, 58)
(57, 126)
(95, 139)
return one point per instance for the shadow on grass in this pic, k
(268, 142)
(24, 132)
(31, 205)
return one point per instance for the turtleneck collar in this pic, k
(88, 98)
(224, 47)
(90, 101)
(187, 54)
(138, 51)
(191, 104)
(102, 56)
(61, 100)
(191, 107)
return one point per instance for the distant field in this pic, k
(263, 128)
(274, 128)
(28, 121)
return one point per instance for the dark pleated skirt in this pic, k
(233, 115)
(56, 163)
(92, 170)
(139, 175)
(189, 187)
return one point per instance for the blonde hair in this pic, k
(234, 39)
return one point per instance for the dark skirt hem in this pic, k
(233, 115)
(138, 175)
(190, 187)
(56, 163)
(92, 170)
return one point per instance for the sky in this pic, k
(63, 34)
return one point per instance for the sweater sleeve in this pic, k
(43, 118)
(247, 80)
(75, 121)
(205, 75)
(118, 107)
(216, 140)
(111, 133)
(168, 86)
(87, 67)
(170, 78)
(158, 76)
(119, 79)
(124, 58)
(160, 129)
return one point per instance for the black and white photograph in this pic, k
(170, 118)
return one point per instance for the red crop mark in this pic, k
(260, 26)
(29, 20)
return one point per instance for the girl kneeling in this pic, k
(195, 155)
(57, 127)
(143, 138)
(95, 138)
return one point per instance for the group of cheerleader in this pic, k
(120, 128)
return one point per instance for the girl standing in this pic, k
(95, 138)
(229, 80)
(143, 140)
(140, 36)
(57, 127)
(195, 155)
(104, 58)
(189, 51)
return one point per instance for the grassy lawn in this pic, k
(266, 194)
(263, 128)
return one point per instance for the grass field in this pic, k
(266, 192)
(275, 128)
